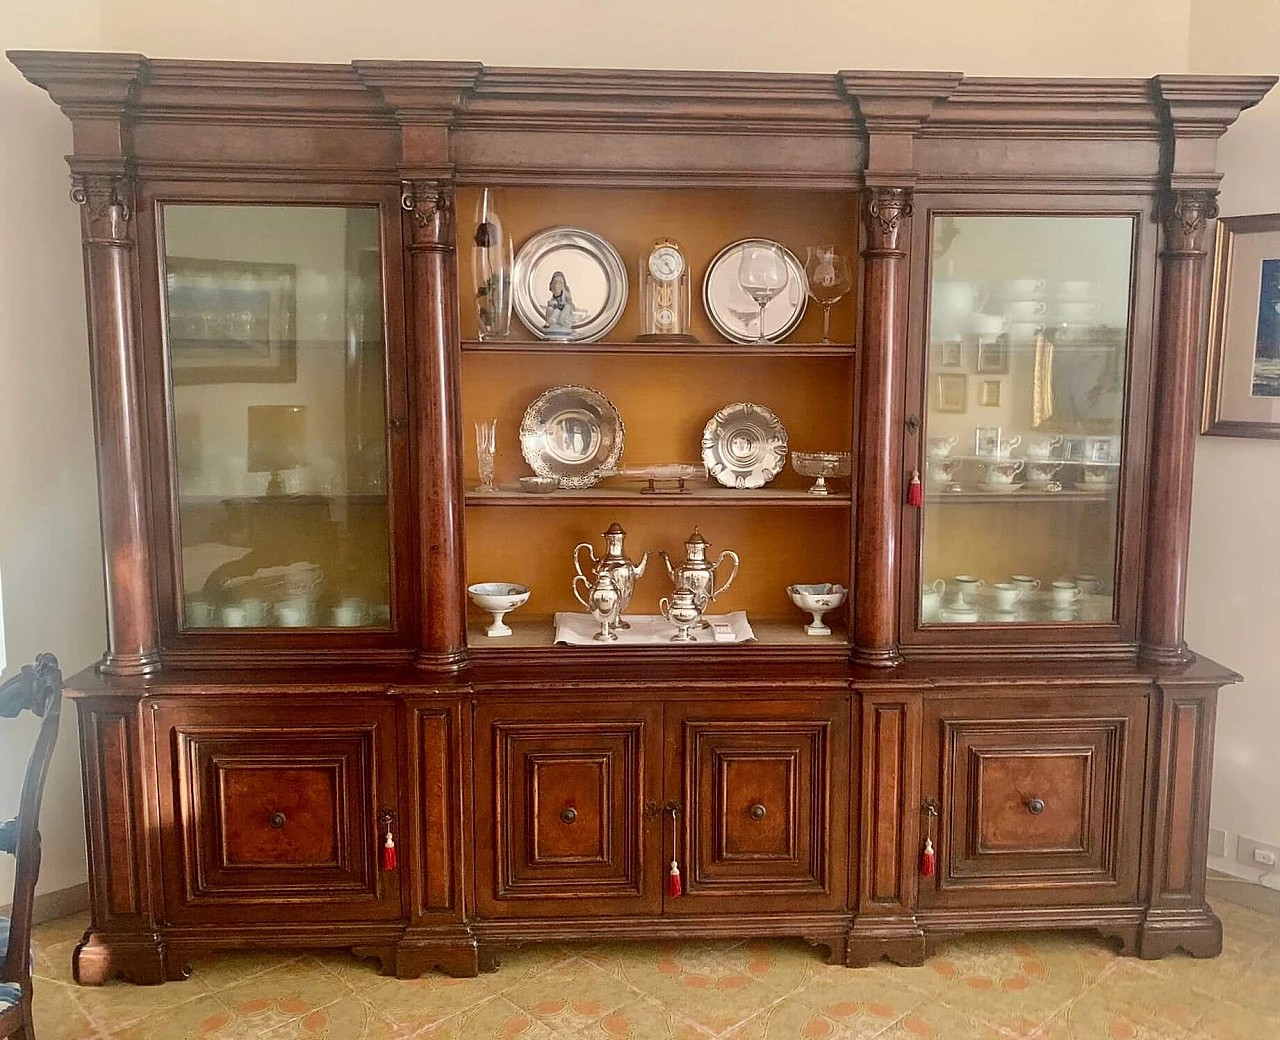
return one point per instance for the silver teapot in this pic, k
(604, 603)
(683, 611)
(697, 574)
(625, 574)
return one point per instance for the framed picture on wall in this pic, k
(231, 321)
(992, 356)
(952, 393)
(990, 393)
(1242, 374)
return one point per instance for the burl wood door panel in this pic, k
(275, 821)
(1037, 794)
(566, 809)
(760, 815)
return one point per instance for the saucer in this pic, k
(997, 489)
(1048, 486)
(950, 614)
(1088, 485)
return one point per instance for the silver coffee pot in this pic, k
(604, 603)
(697, 573)
(614, 562)
(682, 611)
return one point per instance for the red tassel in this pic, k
(389, 852)
(915, 493)
(674, 888)
(928, 861)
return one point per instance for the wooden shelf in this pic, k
(696, 496)
(736, 350)
(1023, 494)
(537, 631)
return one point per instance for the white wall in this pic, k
(50, 547)
(50, 552)
(1233, 611)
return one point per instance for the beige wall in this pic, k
(1233, 611)
(47, 550)
(50, 552)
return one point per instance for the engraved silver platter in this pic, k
(734, 313)
(593, 272)
(572, 433)
(744, 445)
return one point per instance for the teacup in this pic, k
(1006, 595)
(1026, 584)
(986, 324)
(294, 612)
(1065, 593)
(1089, 584)
(1075, 290)
(255, 610)
(931, 598)
(1022, 289)
(1003, 447)
(1042, 472)
(1041, 446)
(967, 587)
(199, 613)
(1025, 331)
(349, 613)
(1075, 312)
(1098, 474)
(940, 447)
(234, 617)
(1025, 310)
(941, 471)
(1003, 472)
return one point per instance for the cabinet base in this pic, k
(460, 957)
(900, 940)
(1198, 932)
(140, 958)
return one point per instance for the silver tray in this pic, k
(734, 314)
(744, 445)
(593, 270)
(572, 433)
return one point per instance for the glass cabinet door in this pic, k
(276, 353)
(1028, 327)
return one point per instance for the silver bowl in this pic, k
(821, 464)
(538, 485)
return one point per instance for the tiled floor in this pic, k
(1056, 987)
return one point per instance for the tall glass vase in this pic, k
(491, 258)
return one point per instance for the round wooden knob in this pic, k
(757, 812)
(568, 815)
(1035, 806)
(277, 820)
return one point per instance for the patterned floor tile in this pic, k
(937, 1021)
(642, 1019)
(118, 1004)
(205, 1018)
(58, 1016)
(572, 997)
(416, 1004)
(283, 995)
(217, 971)
(495, 1019)
(1226, 1020)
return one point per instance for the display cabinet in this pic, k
(891, 373)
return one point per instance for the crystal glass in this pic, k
(762, 274)
(1026, 369)
(491, 258)
(276, 353)
(486, 449)
(830, 278)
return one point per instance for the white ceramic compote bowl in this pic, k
(499, 598)
(817, 600)
(821, 464)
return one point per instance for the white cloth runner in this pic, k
(647, 630)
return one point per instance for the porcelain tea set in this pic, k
(1063, 597)
(1096, 460)
(1018, 308)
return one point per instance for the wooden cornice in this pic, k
(83, 83)
(892, 108)
(421, 93)
(1198, 110)
(1049, 108)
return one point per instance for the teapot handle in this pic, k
(664, 608)
(733, 574)
(577, 565)
(585, 584)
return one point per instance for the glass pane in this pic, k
(275, 335)
(1028, 334)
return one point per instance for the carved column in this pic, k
(106, 223)
(881, 352)
(437, 441)
(1185, 217)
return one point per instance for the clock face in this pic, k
(666, 263)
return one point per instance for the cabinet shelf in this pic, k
(737, 350)
(1023, 494)
(699, 496)
(537, 632)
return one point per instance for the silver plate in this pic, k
(593, 271)
(572, 433)
(734, 314)
(744, 445)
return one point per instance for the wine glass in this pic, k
(830, 279)
(486, 449)
(762, 274)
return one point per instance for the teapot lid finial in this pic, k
(696, 538)
(614, 528)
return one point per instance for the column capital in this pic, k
(106, 206)
(885, 210)
(429, 204)
(1185, 215)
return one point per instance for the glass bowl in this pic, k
(821, 464)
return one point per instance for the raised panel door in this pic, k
(568, 808)
(757, 805)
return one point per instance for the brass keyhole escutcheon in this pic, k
(568, 815)
(1035, 806)
(277, 820)
(757, 812)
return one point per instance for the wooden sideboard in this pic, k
(292, 679)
